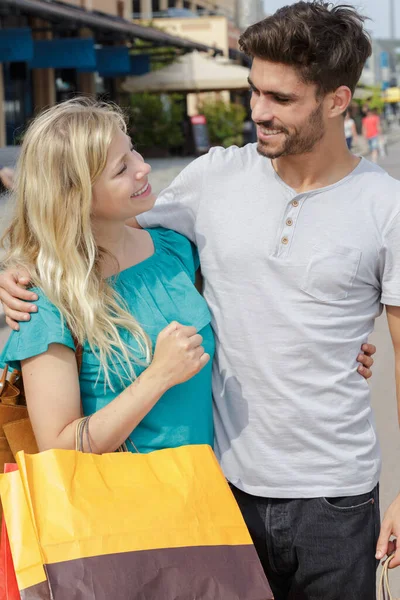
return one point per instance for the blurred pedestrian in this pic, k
(7, 177)
(350, 130)
(371, 131)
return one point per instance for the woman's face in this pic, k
(122, 190)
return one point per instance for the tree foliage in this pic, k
(225, 122)
(156, 121)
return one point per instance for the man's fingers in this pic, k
(365, 360)
(366, 373)
(383, 540)
(395, 562)
(15, 315)
(10, 289)
(368, 349)
(11, 303)
(12, 324)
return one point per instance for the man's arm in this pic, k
(391, 521)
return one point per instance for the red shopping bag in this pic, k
(8, 581)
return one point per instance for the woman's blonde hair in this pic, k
(63, 153)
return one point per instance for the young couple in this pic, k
(299, 244)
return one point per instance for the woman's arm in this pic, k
(53, 395)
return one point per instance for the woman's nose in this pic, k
(143, 170)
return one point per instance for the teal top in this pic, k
(158, 290)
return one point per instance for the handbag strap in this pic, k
(384, 588)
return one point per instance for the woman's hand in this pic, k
(178, 355)
(14, 296)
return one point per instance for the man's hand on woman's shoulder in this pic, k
(16, 299)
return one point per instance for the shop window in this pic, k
(136, 8)
(18, 106)
(155, 6)
(66, 84)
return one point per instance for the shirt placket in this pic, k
(288, 225)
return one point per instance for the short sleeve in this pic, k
(178, 246)
(34, 337)
(390, 265)
(177, 206)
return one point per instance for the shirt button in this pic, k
(289, 222)
(295, 203)
(285, 240)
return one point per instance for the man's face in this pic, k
(288, 115)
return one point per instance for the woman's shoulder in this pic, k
(45, 327)
(177, 246)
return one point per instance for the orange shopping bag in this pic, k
(8, 581)
(158, 526)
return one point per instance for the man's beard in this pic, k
(302, 141)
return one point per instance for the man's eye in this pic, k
(282, 100)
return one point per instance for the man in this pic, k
(371, 127)
(299, 243)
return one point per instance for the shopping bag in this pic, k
(124, 526)
(12, 408)
(16, 431)
(384, 592)
(8, 581)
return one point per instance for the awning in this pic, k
(79, 18)
(194, 72)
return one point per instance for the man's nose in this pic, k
(261, 111)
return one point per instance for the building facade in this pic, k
(51, 50)
(249, 12)
(148, 9)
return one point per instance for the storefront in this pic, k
(50, 51)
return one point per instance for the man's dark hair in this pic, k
(327, 44)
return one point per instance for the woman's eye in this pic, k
(122, 170)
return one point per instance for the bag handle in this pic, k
(384, 588)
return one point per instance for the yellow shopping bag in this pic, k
(122, 526)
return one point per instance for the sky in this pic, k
(377, 10)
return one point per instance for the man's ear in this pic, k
(338, 101)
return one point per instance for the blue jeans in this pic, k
(316, 548)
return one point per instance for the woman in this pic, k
(115, 290)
